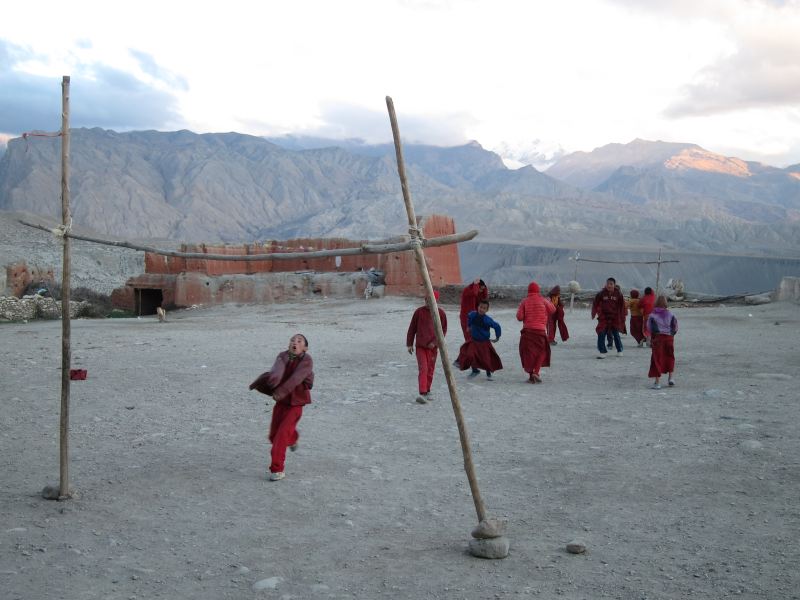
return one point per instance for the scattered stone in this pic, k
(576, 547)
(270, 583)
(52, 492)
(490, 528)
(773, 376)
(489, 548)
(758, 299)
(751, 445)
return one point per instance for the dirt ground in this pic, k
(686, 492)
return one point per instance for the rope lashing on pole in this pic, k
(62, 231)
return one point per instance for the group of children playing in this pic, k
(651, 323)
(291, 377)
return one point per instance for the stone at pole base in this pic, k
(489, 540)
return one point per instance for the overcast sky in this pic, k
(574, 75)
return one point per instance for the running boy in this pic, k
(289, 382)
(477, 352)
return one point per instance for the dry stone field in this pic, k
(685, 492)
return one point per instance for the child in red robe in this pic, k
(663, 326)
(423, 330)
(471, 296)
(289, 382)
(534, 349)
(647, 304)
(609, 309)
(637, 322)
(556, 318)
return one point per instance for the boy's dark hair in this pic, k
(486, 302)
(481, 284)
(611, 279)
(648, 291)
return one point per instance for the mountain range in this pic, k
(240, 188)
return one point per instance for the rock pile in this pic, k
(28, 308)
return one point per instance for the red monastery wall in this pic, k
(184, 282)
(20, 275)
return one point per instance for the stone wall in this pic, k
(187, 289)
(29, 308)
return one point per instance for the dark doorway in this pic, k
(147, 300)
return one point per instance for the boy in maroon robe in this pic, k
(471, 297)
(556, 318)
(637, 324)
(647, 305)
(609, 309)
(289, 382)
(423, 330)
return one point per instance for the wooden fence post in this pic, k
(416, 234)
(66, 221)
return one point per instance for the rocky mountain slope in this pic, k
(238, 188)
(684, 179)
(590, 169)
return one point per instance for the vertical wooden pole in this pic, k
(469, 467)
(66, 220)
(658, 273)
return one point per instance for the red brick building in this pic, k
(181, 282)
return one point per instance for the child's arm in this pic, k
(412, 332)
(265, 383)
(496, 326)
(304, 373)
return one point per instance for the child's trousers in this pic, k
(426, 361)
(283, 433)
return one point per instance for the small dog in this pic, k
(162, 314)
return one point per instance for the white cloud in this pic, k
(763, 71)
(579, 74)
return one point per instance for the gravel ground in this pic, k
(686, 492)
